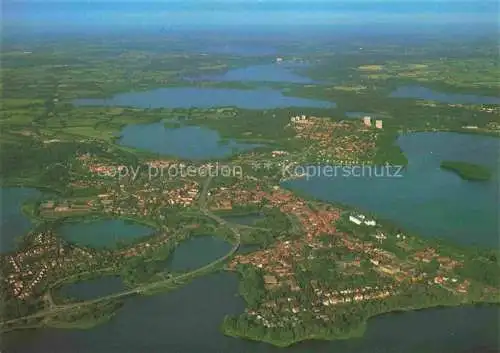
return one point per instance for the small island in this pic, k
(467, 171)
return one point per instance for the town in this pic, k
(329, 261)
(382, 273)
(352, 143)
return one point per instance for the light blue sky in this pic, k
(249, 12)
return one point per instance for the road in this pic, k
(55, 309)
(202, 201)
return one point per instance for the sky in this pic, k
(46, 13)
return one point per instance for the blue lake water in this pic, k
(426, 199)
(13, 223)
(187, 320)
(419, 92)
(277, 72)
(92, 288)
(187, 142)
(204, 97)
(105, 233)
(197, 252)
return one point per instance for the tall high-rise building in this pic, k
(367, 121)
(378, 124)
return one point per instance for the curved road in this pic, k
(151, 286)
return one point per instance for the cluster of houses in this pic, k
(223, 198)
(300, 119)
(489, 109)
(51, 206)
(367, 121)
(45, 256)
(352, 295)
(334, 141)
(103, 169)
(361, 219)
(278, 153)
(279, 261)
(134, 201)
(290, 309)
(96, 167)
(184, 196)
(270, 319)
(159, 163)
(23, 289)
(451, 284)
(429, 254)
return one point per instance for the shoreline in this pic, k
(357, 332)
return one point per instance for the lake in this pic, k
(104, 233)
(187, 320)
(205, 97)
(92, 288)
(197, 252)
(186, 142)
(13, 223)
(276, 72)
(419, 92)
(426, 199)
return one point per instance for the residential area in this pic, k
(379, 255)
(339, 142)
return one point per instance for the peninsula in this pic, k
(308, 269)
(467, 171)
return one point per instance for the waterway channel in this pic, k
(104, 233)
(424, 198)
(187, 320)
(13, 223)
(203, 97)
(187, 142)
(419, 92)
(197, 252)
(92, 288)
(275, 72)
